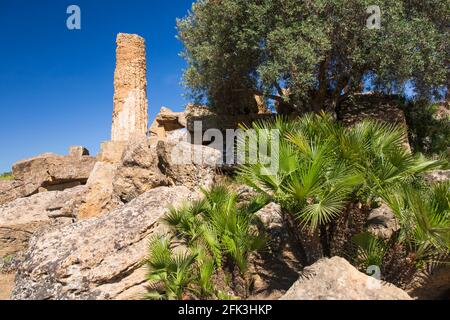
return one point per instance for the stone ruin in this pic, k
(130, 115)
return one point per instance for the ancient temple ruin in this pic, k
(130, 115)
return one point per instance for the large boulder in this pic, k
(336, 279)
(99, 258)
(190, 165)
(124, 171)
(51, 172)
(21, 218)
(167, 121)
(99, 197)
(78, 151)
(11, 190)
(138, 170)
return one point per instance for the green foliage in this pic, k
(220, 225)
(428, 132)
(321, 164)
(370, 251)
(6, 176)
(423, 239)
(173, 270)
(424, 217)
(321, 51)
(217, 231)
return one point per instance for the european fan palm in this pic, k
(174, 271)
(370, 251)
(424, 215)
(216, 230)
(321, 163)
(220, 225)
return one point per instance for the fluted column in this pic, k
(130, 115)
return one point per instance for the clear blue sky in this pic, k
(56, 85)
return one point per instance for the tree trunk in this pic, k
(321, 95)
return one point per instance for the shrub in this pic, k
(219, 235)
(173, 271)
(323, 167)
(424, 217)
(423, 238)
(321, 164)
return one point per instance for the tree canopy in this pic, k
(310, 54)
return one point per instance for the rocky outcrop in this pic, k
(124, 171)
(336, 279)
(189, 165)
(100, 258)
(111, 151)
(99, 197)
(21, 218)
(6, 285)
(372, 106)
(130, 115)
(51, 172)
(11, 190)
(167, 121)
(78, 151)
(47, 172)
(138, 171)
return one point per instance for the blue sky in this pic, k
(56, 85)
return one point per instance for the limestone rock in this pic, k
(100, 258)
(6, 285)
(99, 198)
(167, 121)
(438, 176)
(272, 220)
(374, 106)
(78, 151)
(52, 172)
(11, 190)
(130, 115)
(187, 164)
(111, 151)
(336, 279)
(21, 218)
(382, 222)
(138, 171)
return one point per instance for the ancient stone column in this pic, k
(130, 115)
